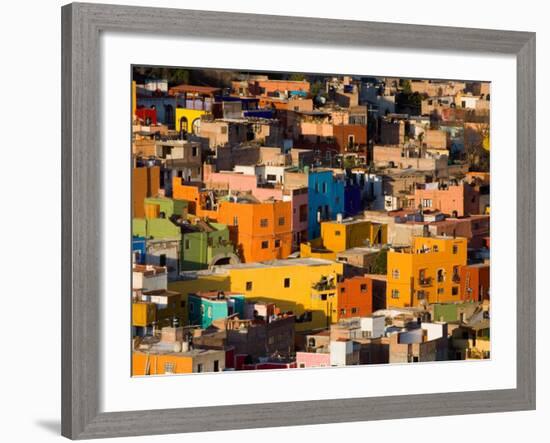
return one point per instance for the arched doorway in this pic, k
(224, 259)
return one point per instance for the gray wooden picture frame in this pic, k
(81, 228)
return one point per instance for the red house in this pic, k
(355, 297)
(147, 115)
(475, 282)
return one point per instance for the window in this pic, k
(363, 287)
(210, 241)
(435, 248)
(194, 151)
(169, 368)
(277, 243)
(199, 367)
(420, 295)
(337, 233)
(249, 286)
(456, 274)
(455, 290)
(265, 244)
(182, 304)
(186, 243)
(263, 222)
(324, 297)
(395, 274)
(440, 291)
(324, 188)
(286, 282)
(306, 317)
(342, 312)
(427, 203)
(394, 293)
(235, 220)
(440, 275)
(303, 213)
(455, 249)
(216, 366)
(302, 365)
(271, 177)
(354, 310)
(224, 129)
(162, 260)
(281, 221)
(342, 290)
(191, 308)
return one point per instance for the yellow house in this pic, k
(188, 118)
(305, 286)
(337, 236)
(427, 272)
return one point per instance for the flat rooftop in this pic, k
(281, 263)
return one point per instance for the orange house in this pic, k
(144, 363)
(259, 231)
(355, 297)
(197, 199)
(145, 183)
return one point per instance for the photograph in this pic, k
(288, 220)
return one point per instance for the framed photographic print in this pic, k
(273, 221)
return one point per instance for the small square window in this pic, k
(249, 286)
(363, 287)
(277, 243)
(354, 310)
(455, 249)
(281, 221)
(454, 290)
(286, 282)
(395, 293)
(337, 233)
(263, 222)
(265, 244)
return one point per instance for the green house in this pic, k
(206, 244)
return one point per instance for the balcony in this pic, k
(426, 281)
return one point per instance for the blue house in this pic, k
(205, 307)
(325, 198)
(138, 249)
(352, 198)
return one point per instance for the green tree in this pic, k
(297, 77)
(380, 265)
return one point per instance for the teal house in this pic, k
(205, 307)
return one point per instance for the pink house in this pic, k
(454, 200)
(312, 359)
